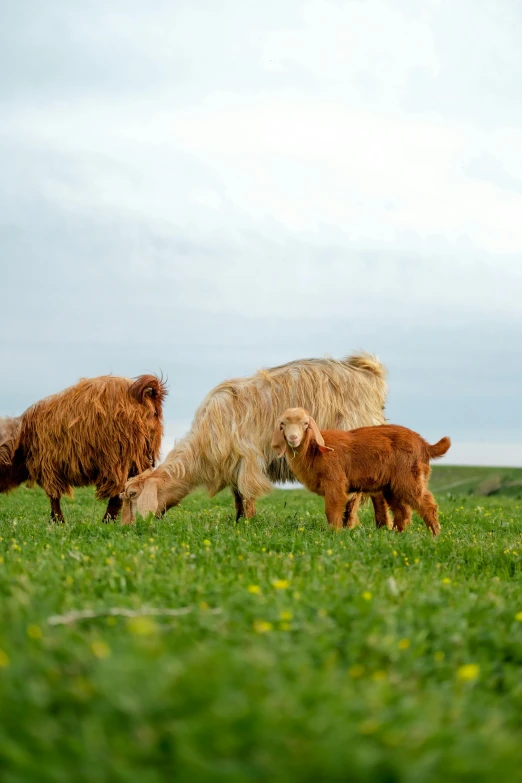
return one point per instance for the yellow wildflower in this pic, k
(34, 632)
(367, 595)
(100, 649)
(404, 644)
(468, 672)
(261, 626)
(142, 626)
(281, 584)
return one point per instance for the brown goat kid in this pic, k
(100, 431)
(385, 460)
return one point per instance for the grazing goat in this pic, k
(100, 431)
(387, 459)
(228, 444)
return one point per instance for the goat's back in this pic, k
(376, 443)
(93, 432)
(236, 419)
(373, 458)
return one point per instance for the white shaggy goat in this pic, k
(229, 443)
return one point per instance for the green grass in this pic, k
(304, 655)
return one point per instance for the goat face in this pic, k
(292, 429)
(135, 499)
(149, 493)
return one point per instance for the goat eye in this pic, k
(132, 493)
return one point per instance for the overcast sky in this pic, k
(208, 187)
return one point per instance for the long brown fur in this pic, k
(8, 428)
(385, 461)
(99, 431)
(229, 440)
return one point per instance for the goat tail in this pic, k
(367, 363)
(439, 449)
(148, 386)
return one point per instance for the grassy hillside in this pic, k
(281, 651)
(478, 481)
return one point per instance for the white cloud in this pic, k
(365, 48)
(334, 170)
(333, 150)
(373, 173)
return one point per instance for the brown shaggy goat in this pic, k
(100, 431)
(228, 444)
(387, 459)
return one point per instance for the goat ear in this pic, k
(126, 512)
(278, 441)
(147, 501)
(314, 429)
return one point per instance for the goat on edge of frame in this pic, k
(100, 431)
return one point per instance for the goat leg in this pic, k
(238, 500)
(113, 509)
(250, 508)
(426, 506)
(244, 508)
(56, 511)
(380, 509)
(350, 518)
(335, 501)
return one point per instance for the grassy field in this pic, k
(297, 654)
